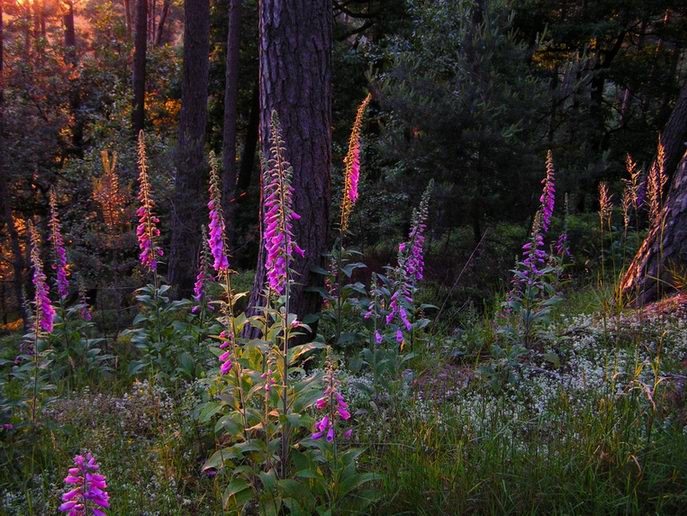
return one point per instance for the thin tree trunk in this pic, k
(71, 58)
(191, 162)
(161, 24)
(250, 143)
(7, 219)
(139, 75)
(231, 91)
(127, 18)
(295, 81)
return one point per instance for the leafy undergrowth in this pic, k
(593, 422)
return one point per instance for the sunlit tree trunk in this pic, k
(190, 197)
(5, 199)
(664, 251)
(139, 75)
(295, 81)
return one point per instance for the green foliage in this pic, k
(79, 356)
(169, 345)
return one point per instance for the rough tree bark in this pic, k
(665, 247)
(7, 219)
(295, 81)
(189, 210)
(139, 75)
(231, 90)
(675, 133)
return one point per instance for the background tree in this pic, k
(139, 73)
(295, 81)
(231, 92)
(188, 210)
(471, 119)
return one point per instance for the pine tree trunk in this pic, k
(231, 91)
(71, 58)
(665, 246)
(663, 251)
(139, 75)
(189, 210)
(7, 219)
(295, 81)
(675, 132)
(250, 143)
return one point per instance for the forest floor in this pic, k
(593, 421)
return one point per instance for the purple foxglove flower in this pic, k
(334, 403)
(89, 496)
(348, 433)
(226, 357)
(218, 237)
(378, 337)
(147, 231)
(278, 213)
(352, 166)
(59, 252)
(563, 245)
(202, 277)
(410, 268)
(45, 313)
(548, 195)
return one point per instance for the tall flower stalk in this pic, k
(59, 253)
(216, 246)
(87, 488)
(410, 268)
(217, 240)
(334, 406)
(548, 195)
(352, 166)
(147, 231)
(278, 213)
(280, 247)
(202, 276)
(45, 313)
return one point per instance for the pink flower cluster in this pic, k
(335, 405)
(278, 213)
(45, 313)
(202, 277)
(88, 495)
(147, 231)
(60, 254)
(226, 357)
(548, 196)
(410, 265)
(534, 256)
(217, 239)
